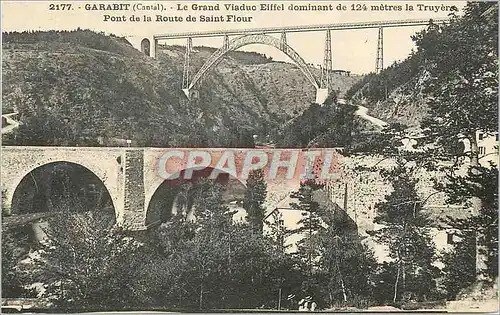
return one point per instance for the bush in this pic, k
(88, 263)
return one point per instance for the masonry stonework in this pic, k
(18, 162)
(134, 210)
(131, 177)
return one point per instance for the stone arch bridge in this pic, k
(132, 176)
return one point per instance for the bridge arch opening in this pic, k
(246, 40)
(60, 186)
(51, 201)
(146, 47)
(176, 196)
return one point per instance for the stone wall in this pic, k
(366, 188)
(131, 177)
(18, 162)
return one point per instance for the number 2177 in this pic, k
(60, 6)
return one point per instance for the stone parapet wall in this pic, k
(366, 188)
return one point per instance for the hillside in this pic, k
(396, 94)
(85, 88)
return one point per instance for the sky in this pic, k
(353, 50)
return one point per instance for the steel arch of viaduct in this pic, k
(245, 40)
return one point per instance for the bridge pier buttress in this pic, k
(185, 72)
(134, 213)
(379, 63)
(323, 89)
(147, 45)
(321, 95)
(283, 42)
(154, 47)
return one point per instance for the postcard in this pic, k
(249, 156)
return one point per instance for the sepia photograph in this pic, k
(249, 156)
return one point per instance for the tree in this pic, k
(87, 263)
(377, 87)
(278, 232)
(255, 196)
(220, 263)
(165, 268)
(330, 125)
(461, 61)
(481, 185)
(14, 276)
(309, 225)
(346, 264)
(405, 232)
(462, 65)
(209, 250)
(460, 265)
